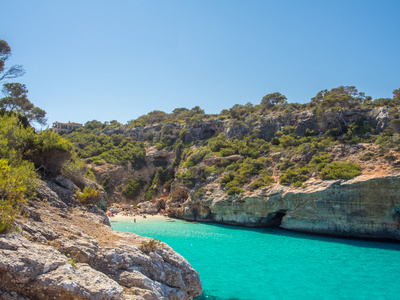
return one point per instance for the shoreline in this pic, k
(120, 217)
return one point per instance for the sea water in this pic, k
(260, 263)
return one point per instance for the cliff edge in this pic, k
(364, 207)
(67, 251)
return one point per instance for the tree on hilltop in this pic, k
(396, 95)
(330, 105)
(16, 100)
(273, 99)
(343, 97)
(13, 71)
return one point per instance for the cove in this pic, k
(261, 263)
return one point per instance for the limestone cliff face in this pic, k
(366, 206)
(67, 251)
(267, 126)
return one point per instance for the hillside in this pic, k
(187, 160)
(55, 242)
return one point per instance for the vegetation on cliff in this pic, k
(244, 148)
(100, 148)
(22, 152)
(248, 147)
(27, 155)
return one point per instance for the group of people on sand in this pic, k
(111, 213)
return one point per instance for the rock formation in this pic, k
(366, 206)
(67, 251)
(268, 125)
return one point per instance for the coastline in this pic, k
(121, 217)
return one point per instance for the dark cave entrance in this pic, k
(209, 133)
(275, 221)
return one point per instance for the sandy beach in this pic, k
(121, 217)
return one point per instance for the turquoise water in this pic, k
(243, 263)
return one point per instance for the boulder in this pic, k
(67, 251)
(41, 272)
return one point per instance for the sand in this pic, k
(121, 217)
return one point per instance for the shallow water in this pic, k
(243, 263)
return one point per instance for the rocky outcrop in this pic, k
(41, 272)
(67, 251)
(367, 207)
(267, 126)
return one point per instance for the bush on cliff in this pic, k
(18, 179)
(50, 151)
(295, 177)
(340, 170)
(239, 147)
(21, 152)
(133, 188)
(17, 183)
(89, 195)
(264, 181)
(115, 149)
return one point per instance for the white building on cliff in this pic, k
(65, 127)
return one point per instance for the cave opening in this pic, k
(275, 221)
(208, 133)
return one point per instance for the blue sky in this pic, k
(119, 59)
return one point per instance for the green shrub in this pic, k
(196, 157)
(226, 179)
(217, 143)
(340, 170)
(319, 161)
(72, 262)
(226, 152)
(90, 175)
(150, 193)
(233, 189)
(191, 177)
(213, 169)
(287, 141)
(310, 132)
(17, 184)
(199, 193)
(107, 184)
(115, 149)
(395, 125)
(275, 141)
(50, 151)
(150, 246)
(334, 132)
(75, 170)
(15, 139)
(293, 177)
(18, 179)
(133, 188)
(266, 180)
(88, 196)
(286, 164)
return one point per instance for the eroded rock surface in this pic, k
(66, 251)
(365, 206)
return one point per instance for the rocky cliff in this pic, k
(366, 206)
(267, 125)
(67, 251)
